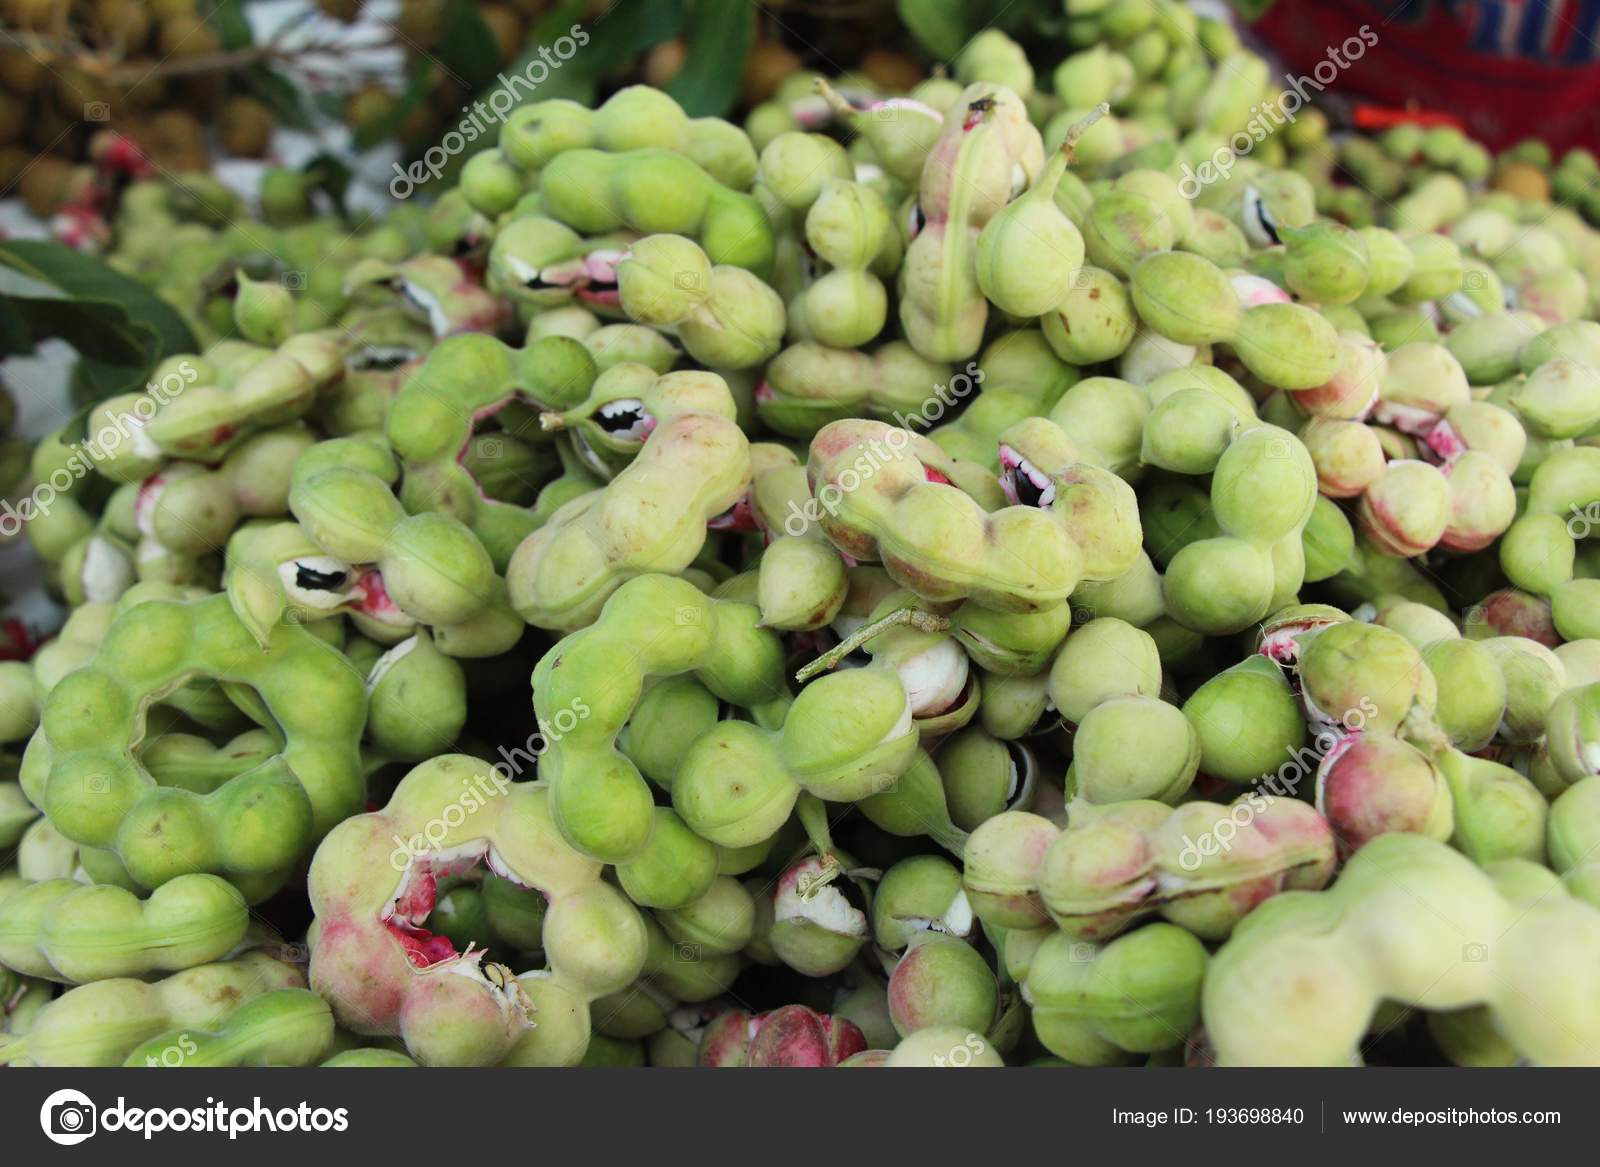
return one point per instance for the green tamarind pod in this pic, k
(1217, 238)
(1559, 399)
(1575, 608)
(1123, 226)
(1095, 75)
(655, 192)
(1013, 707)
(1105, 658)
(1328, 541)
(1389, 260)
(263, 311)
(901, 130)
(1248, 721)
(1499, 814)
(794, 166)
(1577, 340)
(62, 930)
(726, 317)
(100, 1023)
(1219, 585)
(287, 1027)
(1029, 254)
(802, 583)
(1096, 321)
(1264, 485)
(1288, 346)
(1185, 297)
(1399, 906)
(941, 981)
(1106, 766)
(1436, 270)
(994, 57)
(847, 227)
(973, 171)
(1487, 346)
(416, 700)
(1095, 1005)
(1325, 262)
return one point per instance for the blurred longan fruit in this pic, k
(447, 96)
(341, 10)
(76, 91)
(163, 9)
(50, 129)
(245, 127)
(123, 23)
(12, 160)
(35, 15)
(146, 92)
(664, 61)
(891, 71)
(51, 183)
(1523, 180)
(421, 123)
(368, 106)
(420, 21)
(178, 127)
(19, 72)
(13, 118)
(204, 91)
(180, 159)
(769, 63)
(507, 28)
(186, 35)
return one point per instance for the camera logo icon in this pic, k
(96, 111)
(68, 1117)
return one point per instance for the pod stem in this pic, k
(915, 617)
(1077, 130)
(813, 815)
(835, 100)
(809, 886)
(1420, 729)
(949, 836)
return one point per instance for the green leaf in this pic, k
(333, 177)
(1250, 11)
(607, 46)
(719, 35)
(120, 328)
(940, 26)
(388, 126)
(233, 29)
(281, 95)
(467, 48)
